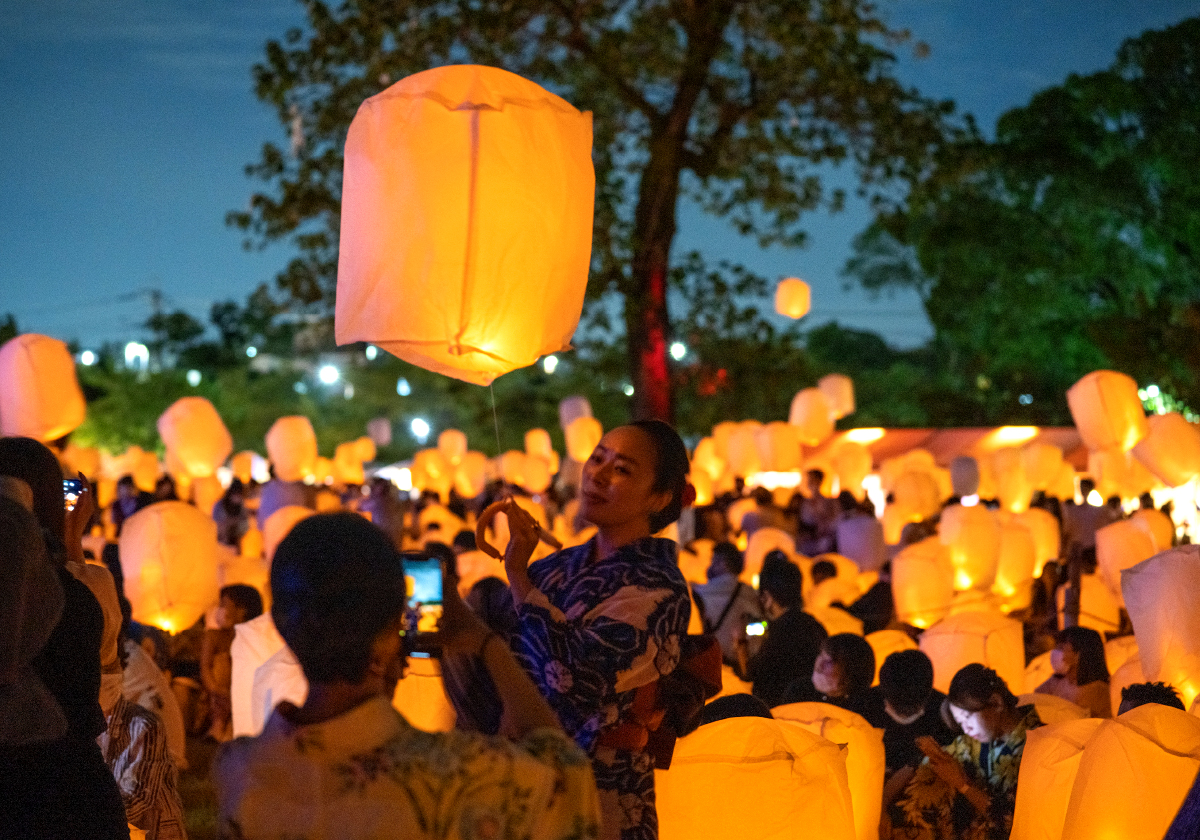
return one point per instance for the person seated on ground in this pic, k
(346, 764)
(967, 791)
(144, 683)
(842, 675)
(1080, 671)
(907, 707)
(876, 608)
(231, 515)
(793, 637)
(1139, 694)
(858, 534)
(727, 604)
(733, 706)
(238, 602)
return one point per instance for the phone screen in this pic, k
(756, 628)
(72, 487)
(423, 582)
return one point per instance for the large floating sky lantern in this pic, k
(1107, 411)
(40, 396)
(466, 222)
(193, 432)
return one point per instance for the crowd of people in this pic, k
(567, 669)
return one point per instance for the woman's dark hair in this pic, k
(856, 657)
(1139, 694)
(337, 583)
(1090, 647)
(906, 680)
(33, 463)
(780, 578)
(671, 468)
(974, 686)
(246, 597)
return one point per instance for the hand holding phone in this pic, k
(424, 580)
(72, 488)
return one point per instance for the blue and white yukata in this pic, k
(590, 633)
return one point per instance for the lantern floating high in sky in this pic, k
(466, 222)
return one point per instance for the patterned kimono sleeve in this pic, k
(573, 812)
(629, 637)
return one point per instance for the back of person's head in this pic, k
(846, 501)
(823, 570)
(336, 584)
(464, 541)
(906, 681)
(1086, 486)
(727, 557)
(246, 597)
(780, 578)
(857, 658)
(671, 468)
(762, 497)
(734, 706)
(1139, 694)
(34, 463)
(974, 686)
(1087, 643)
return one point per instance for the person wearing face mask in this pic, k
(967, 791)
(598, 621)
(1080, 671)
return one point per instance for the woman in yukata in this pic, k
(599, 620)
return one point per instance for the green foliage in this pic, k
(1070, 243)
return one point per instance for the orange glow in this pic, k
(865, 436)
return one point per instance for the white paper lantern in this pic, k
(40, 397)
(989, 638)
(839, 389)
(1162, 595)
(292, 448)
(1107, 411)
(193, 432)
(812, 415)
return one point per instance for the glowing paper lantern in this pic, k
(538, 443)
(923, 582)
(973, 536)
(705, 458)
(703, 484)
(1122, 544)
(1052, 708)
(242, 466)
(432, 471)
(1039, 669)
(41, 397)
(169, 560)
(347, 463)
(536, 475)
(279, 524)
(421, 696)
(1128, 673)
(470, 476)
(738, 510)
(836, 620)
(452, 443)
(721, 434)
(1043, 462)
(292, 448)
(852, 463)
(1118, 651)
(365, 449)
(1098, 607)
(1170, 449)
(1107, 411)
(812, 415)
(1044, 527)
(1013, 488)
(466, 222)
(917, 494)
(193, 431)
(743, 455)
(1049, 764)
(985, 637)
(80, 459)
(1064, 484)
(839, 389)
(886, 642)
(1014, 570)
(1135, 771)
(792, 298)
(206, 492)
(778, 448)
(796, 781)
(864, 756)
(1162, 595)
(1158, 524)
(144, 468)
(582, 436)
(761, 543)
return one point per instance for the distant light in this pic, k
(193, 378)
(372, 351)
(1025, 399)
(1095, 499)
(550, 364)
(773, 480)
(865, 436)
(678, 350)
(402, 387)
(137, 355)
(87, 358)
(251, 351)
(970, 501)
(1152, 391)
(328, 374)
(628, 389)
(348, 391)
(1009, 435)
(300, 388)
(420, 429)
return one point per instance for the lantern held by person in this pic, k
(466, 224)
(193, 431)
(1162, 595)
(973, 535)
(1107, 411)
(923, 582)
(41, 397)
(985, 637)
(1049, 765)
(292, 448)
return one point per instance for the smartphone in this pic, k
(72, 487)
(756, 628)
(424, 580)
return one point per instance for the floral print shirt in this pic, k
(369, 773)
(930, 809)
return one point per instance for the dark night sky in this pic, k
(127, 123)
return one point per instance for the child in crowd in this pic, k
(239, 602)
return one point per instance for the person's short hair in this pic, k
(762, 496)
(1139, 694)
(974, 686)
(464, 540)
(734, 705)
(1090, 647)
(780, 578)
(823, 570)
(857, 658)
(336, 583)
(671, 468)
(727, 554)
(246, 597)
(906, 680)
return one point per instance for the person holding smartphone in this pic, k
(345, 764)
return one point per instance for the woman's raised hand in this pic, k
(459, 629)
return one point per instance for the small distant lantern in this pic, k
(812, 415)
(793, 298)
(471, 474)
(1107, 411)
(538, 443)
(452, 443)
(194, 433)
(582, 436)
(778, 448)
(466, 222)
(743, 454)
(41, 397)
(292, 448)
(839, 389)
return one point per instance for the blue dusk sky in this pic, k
(126, 126)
